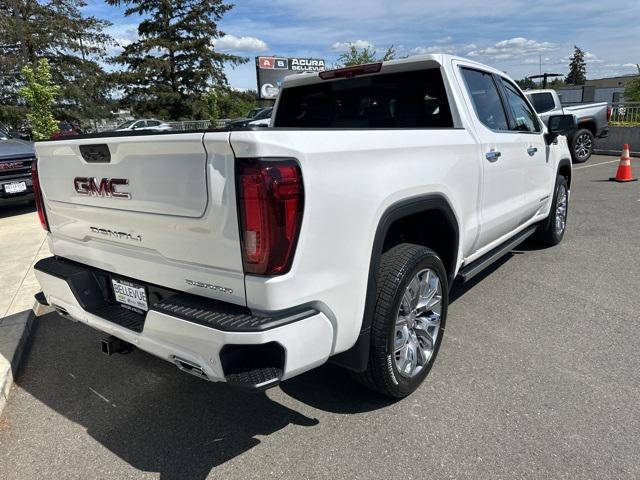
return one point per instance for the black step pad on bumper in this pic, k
(257, 379)
(223, 316)
(92, 289)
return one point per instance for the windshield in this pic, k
(266, 113)
(125, 124)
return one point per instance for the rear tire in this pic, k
(582, 145)
(551, 232)
(408, 320)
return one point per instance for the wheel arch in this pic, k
(432, 206)
(588, 124)
(564, 169)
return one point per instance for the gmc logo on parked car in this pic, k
(101, 188)
(11, 165)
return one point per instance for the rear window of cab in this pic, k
(415, 99)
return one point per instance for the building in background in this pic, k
(610, 90)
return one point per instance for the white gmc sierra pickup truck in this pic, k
(250, 256)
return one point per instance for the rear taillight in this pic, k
(37, 193)
(270, 202)
(609, 112)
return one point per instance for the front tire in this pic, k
(551, 232)
(582, 145)
(408, 320)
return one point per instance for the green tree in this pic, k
(527, 84)
(232, 103)
(356, 56)
(39, 93)
(213, 111)
(73, 44)
(577, 68)
(632, 90)
(173, 63)
(556, 83)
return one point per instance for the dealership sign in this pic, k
(272, 70)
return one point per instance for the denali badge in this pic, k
(101, 188)
(209, 286)
(112, 233)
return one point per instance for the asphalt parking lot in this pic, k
(538, 377)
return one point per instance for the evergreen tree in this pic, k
(73, 45)
(577, 68)
(173, 63)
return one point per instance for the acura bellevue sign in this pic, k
(272, 70)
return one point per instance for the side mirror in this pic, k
(560, 125)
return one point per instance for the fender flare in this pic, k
(357, 357)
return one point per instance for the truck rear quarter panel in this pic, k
(351, 177)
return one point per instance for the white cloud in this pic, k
(591, 58)
(434, 49)
(446, 39)
(231, 43)
(513, 48)
(359, 44)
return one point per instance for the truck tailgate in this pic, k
(168, 218)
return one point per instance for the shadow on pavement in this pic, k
(144, 410)
(16, 207)
(158, 419)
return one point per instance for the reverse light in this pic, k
(348, 72)
(37, 193)
(270, 202)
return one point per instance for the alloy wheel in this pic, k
(418, 323)
(561, 209)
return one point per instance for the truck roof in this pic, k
(540, 90)
(431, 60)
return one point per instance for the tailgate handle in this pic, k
(98, 153)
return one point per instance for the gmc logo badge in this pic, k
(101, 188)
(11, 165)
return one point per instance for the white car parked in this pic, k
(144, 124)
(251, 256)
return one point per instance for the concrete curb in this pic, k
(15, 333)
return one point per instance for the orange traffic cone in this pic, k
(624, 173)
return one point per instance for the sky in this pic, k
(511, 35)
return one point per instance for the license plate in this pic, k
(130, 294)
(16, 187)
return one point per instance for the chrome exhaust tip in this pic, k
(189, 367)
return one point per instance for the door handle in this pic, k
(492, 155)
(532, 151)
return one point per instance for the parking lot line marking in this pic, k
(596, 164)
(101, 396)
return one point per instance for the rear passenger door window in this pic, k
(524, 118)
(486, 99)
